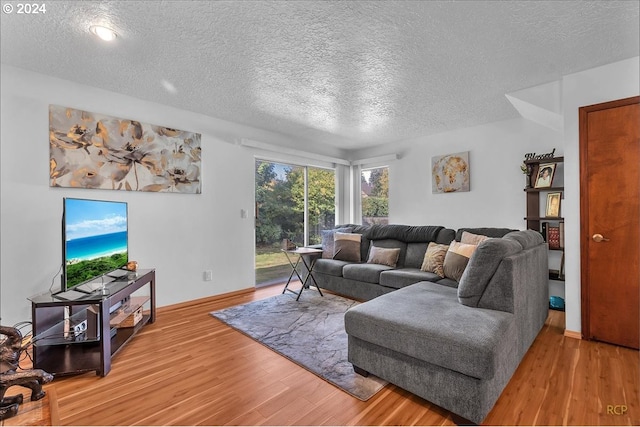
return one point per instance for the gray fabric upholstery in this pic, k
(445, 236)
(412, 240)
(356, 289)
(422, 339)
(415, 254)
(369, 273)
(481, 268)
(433, 327)
(526, 238)
(448, 282)
(484, 231)
(405, 233)
(411, 256)
(399, 278)
(332, 267)
(469, 397)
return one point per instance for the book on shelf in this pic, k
(553, 236)
(544, 230)
(561, 226)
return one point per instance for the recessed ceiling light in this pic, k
(106, 34)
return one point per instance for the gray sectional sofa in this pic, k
(455, 344)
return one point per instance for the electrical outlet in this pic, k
(208, 275)
(79, 328)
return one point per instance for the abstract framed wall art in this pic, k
(450, 173)
(90, 150)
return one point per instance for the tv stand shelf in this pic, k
(58, 350)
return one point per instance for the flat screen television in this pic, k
(95, 240)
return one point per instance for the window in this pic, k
(292, 202)
(374, 192)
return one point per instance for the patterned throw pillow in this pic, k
(434, 259)
(456, 259)
(328, 239)
(472, 239)
(347, 246)
(384, 256)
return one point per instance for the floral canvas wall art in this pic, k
(450, 173)
(90, 150)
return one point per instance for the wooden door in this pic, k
(610, 221)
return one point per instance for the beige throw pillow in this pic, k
(472, 239)
(434, 259)
(456, 259)
(384, 256)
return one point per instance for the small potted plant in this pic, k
(526, 170)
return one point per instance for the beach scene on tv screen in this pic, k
(95, 239)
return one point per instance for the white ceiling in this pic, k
(349, 74)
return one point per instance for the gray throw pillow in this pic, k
(328, 240)
(384, 256)
(347, 246)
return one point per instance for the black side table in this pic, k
(298, 255)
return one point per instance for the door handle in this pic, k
(599, 238)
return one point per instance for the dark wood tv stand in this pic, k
(58, 350)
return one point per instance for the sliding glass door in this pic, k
(292, 202)
(374, 184)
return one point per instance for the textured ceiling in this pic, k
(348, 74)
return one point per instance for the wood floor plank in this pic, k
(189, 368)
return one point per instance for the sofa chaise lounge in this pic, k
(455, 344)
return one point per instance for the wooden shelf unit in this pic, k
(57, 350)
(535, 198)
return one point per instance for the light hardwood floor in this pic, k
(191, 369)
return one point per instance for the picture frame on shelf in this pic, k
(553, 205)
(544, 178)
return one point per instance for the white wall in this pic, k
(496, 198)
(602, 84)
(181, 235)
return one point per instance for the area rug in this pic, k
(309, 332)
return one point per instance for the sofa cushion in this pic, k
(415, 254)
(433, 261)
(526, 238)
(332, 267)
(446, 236)
(483, 264)
(404, 233)
(456, 259)
(384, 256)
(364, 272)
(426, 322)
(347, 247)
(399, 278)
(448, 282)
(328, 237)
